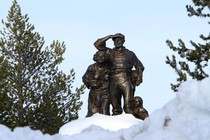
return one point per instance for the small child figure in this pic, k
(139, 111)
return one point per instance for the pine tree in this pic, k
(6, 102)
(193, 59)
(35, 92)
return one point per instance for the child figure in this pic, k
(139, 111)
(96, 79)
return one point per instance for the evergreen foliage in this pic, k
(33, 92)
(193, 59)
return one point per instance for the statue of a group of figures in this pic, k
(115, 74)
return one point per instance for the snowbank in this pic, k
(111, 123)
(186, 117)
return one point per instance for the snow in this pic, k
(111, 123)
(186, 117)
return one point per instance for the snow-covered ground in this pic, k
(186, 117)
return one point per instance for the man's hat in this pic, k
(118, 35)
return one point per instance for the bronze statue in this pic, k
(96, 79)
(120, 62)
(139, 111)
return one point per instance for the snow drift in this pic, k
(186, 117)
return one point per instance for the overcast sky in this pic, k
(146, 25)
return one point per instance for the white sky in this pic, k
(146, 25)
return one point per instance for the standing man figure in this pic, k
(121, 62)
